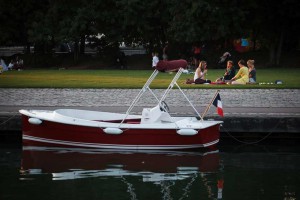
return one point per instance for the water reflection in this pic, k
(233, 172)
(173, 173)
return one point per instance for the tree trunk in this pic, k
(279, 47)
(27, 48)
(82, 44)
(254, 38)
(272, 54)
(254, 44)
(76, 51)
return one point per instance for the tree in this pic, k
(275, 24)
(150, 23)
(144, 22)
(16, 19)
(193, 21)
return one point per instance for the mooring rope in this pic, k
(8, 119)
(265, 137)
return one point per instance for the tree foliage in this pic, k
(151, 23)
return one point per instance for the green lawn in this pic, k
(133, 79)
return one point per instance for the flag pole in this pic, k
(208, 106)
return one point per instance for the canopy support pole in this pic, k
(174, 82)
(142, 91)
(189, 102)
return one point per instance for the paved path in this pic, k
(235, 101)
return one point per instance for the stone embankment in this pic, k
(248, 111)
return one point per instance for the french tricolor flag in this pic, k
(218, 103)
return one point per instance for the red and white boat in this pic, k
(154, 128)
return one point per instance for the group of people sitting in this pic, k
(245, 74)
(16, 64)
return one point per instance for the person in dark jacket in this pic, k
(229, 73)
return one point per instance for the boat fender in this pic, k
(115, 131)
(187, 131)
(34, 121)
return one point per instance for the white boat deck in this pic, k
(106, 119)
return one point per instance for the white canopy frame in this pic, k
(169, 88)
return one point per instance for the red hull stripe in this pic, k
(115, 146)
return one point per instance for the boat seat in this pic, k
(155, 115)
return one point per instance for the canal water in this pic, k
(232, 171)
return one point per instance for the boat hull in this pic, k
(56, 134)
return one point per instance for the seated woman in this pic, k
(229, 73)
(199, 77)
(252, 71)
(242, 77)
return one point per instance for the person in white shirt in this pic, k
(155, 59)
(201, 71)
(199, 76)
(11, 65)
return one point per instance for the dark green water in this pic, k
(247, 172)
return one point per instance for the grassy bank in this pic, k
(133, 79)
